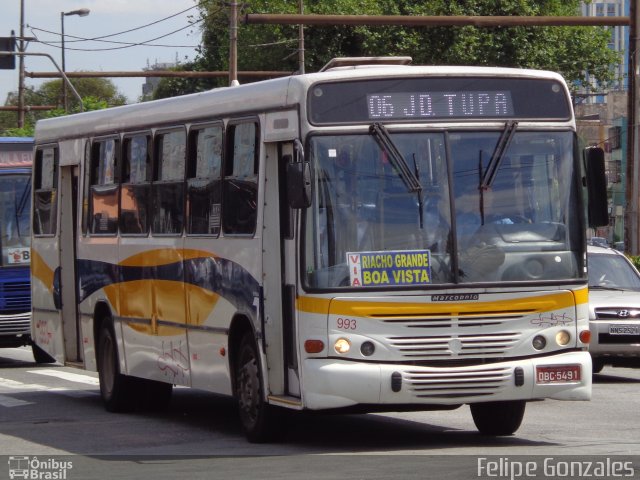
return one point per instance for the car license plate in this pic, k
(557, 374)
(624, 329)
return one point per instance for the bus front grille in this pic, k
(15, 297)
(455, 319)
(483, 381)
(19, 324)
(438, 347)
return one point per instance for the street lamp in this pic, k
(82, 12)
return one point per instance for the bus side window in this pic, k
(45, 188)
(240, 195)
(136, 185)
(168, 185)
(104, 191)
(204, 189)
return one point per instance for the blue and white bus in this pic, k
(16, 155)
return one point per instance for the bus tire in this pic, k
(40, 356)
(498, 418)
(118, 393)
(258, 418)
(596, 365)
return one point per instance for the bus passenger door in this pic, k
(68, 234)
(279, 259)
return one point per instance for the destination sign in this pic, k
(389, 268)
(437, 99)
(440, 105)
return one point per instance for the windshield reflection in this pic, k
(519, 228)
(15, 207)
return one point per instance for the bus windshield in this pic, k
(15, 228)
(491, 206)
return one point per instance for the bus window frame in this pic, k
(191, 164)
(228, 163)
(155, 181)
(149, 174)
(37, 181)
(86, 173)
(117, 167)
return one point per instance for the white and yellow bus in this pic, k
(368, 237)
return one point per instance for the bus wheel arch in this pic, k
(121, 392)
(259, 419)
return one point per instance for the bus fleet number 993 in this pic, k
(346, 323)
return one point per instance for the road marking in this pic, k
(72, 377)
(12, 402)
(8, 386)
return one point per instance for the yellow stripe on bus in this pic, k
(41, 271)
(162, 299)
(532, 304)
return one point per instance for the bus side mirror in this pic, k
(597, 206)
(298, 178)
(299, 184)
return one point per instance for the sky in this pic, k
(107, 17)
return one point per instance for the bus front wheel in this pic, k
(257, 417)
(498, 418)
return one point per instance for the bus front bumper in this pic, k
(336, 383)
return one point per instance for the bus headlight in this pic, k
(563, 337)
(342, 345)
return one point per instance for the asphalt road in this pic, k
(54, 414)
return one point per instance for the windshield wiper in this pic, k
(420, 199)
(498, 154)
(395, 157)
(604, 287)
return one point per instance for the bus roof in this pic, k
(273, 94)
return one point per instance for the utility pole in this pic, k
(21, 70)
(233, 44)
(633, 150)
(432, 21)
(301, 40)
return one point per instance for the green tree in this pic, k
(95, 92)
(571, 51)
(50, 93)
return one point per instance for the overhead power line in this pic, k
(432, 21)
(161, 73)
(141, 26)
(145, 43)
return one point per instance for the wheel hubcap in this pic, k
(248, 390)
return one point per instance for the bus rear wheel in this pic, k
(115, 389)
(123, 393)
(257, 417)
(498, 418)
